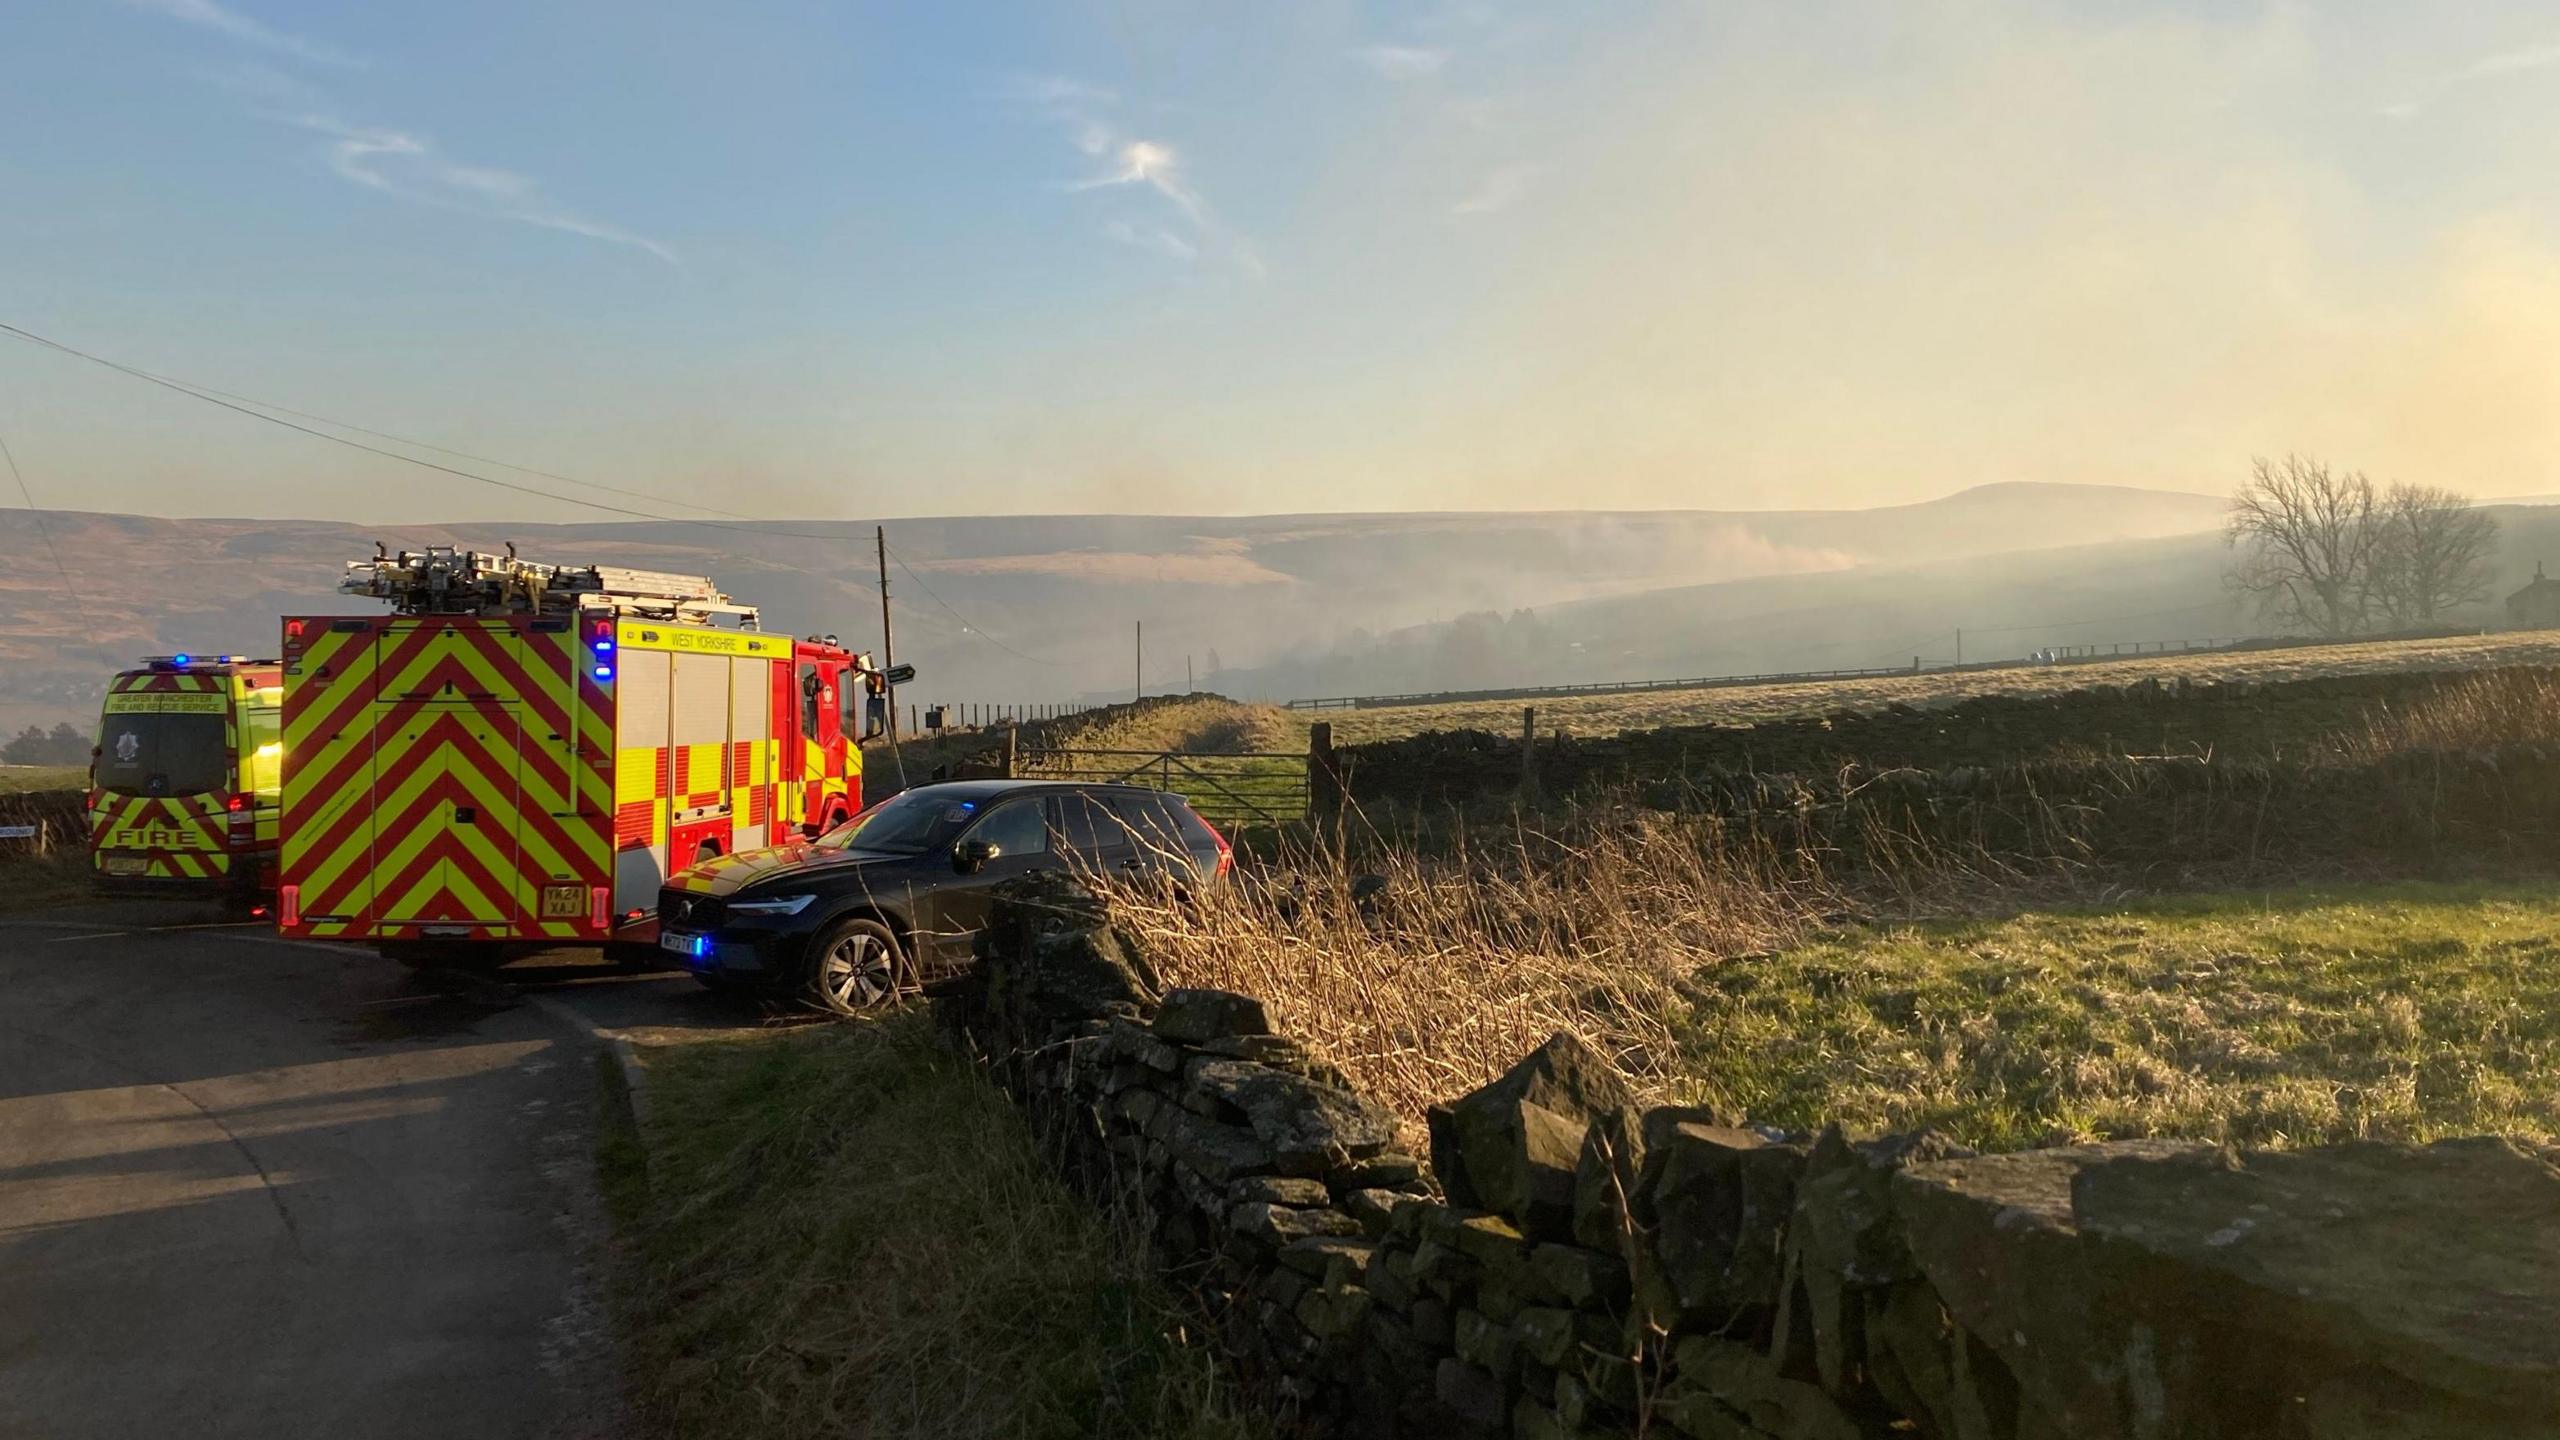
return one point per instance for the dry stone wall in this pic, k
(2242, 721)
(1565, 1263)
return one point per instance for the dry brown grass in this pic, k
(1744, 704)
(1465, 959)
(2472, 713)
(2003, 1012)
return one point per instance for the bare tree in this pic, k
(2433, 553)
(2306, 537)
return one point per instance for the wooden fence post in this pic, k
(1529, 752)
(1324, 771)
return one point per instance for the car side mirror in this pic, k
(971, 856)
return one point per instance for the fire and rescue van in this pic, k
(183, 782)
(520, 754)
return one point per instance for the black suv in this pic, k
(900, 891)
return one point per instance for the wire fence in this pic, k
(2047, 655)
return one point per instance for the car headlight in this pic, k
(771, 905)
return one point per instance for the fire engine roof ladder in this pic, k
(444, 580)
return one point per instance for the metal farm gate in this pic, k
(1248, 787)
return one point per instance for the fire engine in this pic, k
(183, 782)
(520, 754)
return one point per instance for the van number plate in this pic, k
(564, 902)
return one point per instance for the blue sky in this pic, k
(860, 260)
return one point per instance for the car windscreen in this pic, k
(907, 824)
(163, 754)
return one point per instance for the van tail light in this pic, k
(599, 907)
(1226, 852)
(288, 905)
(236, 803)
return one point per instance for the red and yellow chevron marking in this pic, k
(445, 772)
(194, 836)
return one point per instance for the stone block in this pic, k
(1410, 1217)
(1556, 1337)
(1190, 1016)
(1280, 1190)
(2212, 1281)
(1387, 1170)
(1277, 1225)
(1716, 1203)
(1604, 1181)
(1390, 1277)
(1309, 1127)
(1531, 1420)
(1583, 1279)
(1431, 1323)
(1485, 1343)
(1313, 1255)
(1576, 1406)
(1220, 1153)
(1842, 1243)
(1517, 1141)
(1333, 1315)
(1127, 1041)
(1374, 1209)
(1470, 1394)
(1275, 1050)
(1745, 1382)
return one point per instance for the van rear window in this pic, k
(163, 754)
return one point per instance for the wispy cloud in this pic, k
(1086, 113)
(393, 162)
(2521, 60)
(1050, 90)
(1497, 191)
(1153, 164)
(1402, 62)
(240, 27)
(1152, 237)
(409, 166)
(2510, 62)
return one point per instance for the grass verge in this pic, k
(29, 779)
(848, 1231)
(2404, 1012)
(57, 877)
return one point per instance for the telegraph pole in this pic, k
(1141, 692)
(888, 654)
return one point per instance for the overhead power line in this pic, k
(45, 531)
(964, 622)
(259, 410)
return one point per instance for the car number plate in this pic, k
(679, 942)
(127, 865)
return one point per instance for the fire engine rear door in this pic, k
(447, 727)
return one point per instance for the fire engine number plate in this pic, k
(126, 864)
(563, 902)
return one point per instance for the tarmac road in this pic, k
(261, 1189)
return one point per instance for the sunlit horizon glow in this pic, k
(1103, 257)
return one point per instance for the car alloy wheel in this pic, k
(858, 968)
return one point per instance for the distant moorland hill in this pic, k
(1031, 608)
